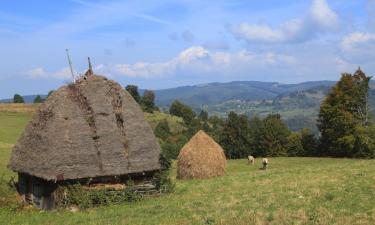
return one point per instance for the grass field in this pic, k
(292, 191)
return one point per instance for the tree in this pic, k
(309, 142)
(38, 99)
(50, 93)
(342, 111)
(235, 138)
(217, 124)
(294, 145)
(181, 110)
(364, 142)
(269, 136)
(276, 134)
(18, 99)
(257, 134)
(133, 91)
(162, 130)
(148, 101)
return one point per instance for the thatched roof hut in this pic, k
(201, 158)
(90, 129)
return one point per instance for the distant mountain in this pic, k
(27, 98)
(299, 109)
(214, 93)
(297, 103)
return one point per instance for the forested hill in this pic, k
(214, 93)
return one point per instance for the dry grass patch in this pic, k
(18, 107)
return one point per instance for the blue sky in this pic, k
(160, 44)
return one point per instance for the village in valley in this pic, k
(110, 142)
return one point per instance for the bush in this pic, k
(170, 150)
(162, 130)
(162, 182)
(77, 195)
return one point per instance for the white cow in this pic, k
(250, 159)
(265, 163)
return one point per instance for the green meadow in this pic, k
(291, 191)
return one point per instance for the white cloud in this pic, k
(40, 72)
(322, 15)
(198, 60)
(320, 19)
(359, 46)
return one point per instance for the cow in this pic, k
(250, 159)
(265, 163)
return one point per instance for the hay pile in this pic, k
(92, 128)
(201, 158)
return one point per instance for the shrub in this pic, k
(77, 195)
(162, 130)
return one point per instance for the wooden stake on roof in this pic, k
(70, 65)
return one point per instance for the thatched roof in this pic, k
(201, 158)
(91, 128)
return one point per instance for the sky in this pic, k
(168, 43)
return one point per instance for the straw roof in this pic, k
(91, 128)
(201, 158)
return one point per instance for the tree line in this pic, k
(344, 123)
(17, 98)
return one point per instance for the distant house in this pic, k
(88, 131)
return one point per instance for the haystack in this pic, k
(91, 130)
(201, 158)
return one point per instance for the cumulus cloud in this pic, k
(358, 46)
(319, 19)
(199, 60)
(40, 72)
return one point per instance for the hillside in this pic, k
(297, 103)
(298, 109)
(214, 93)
